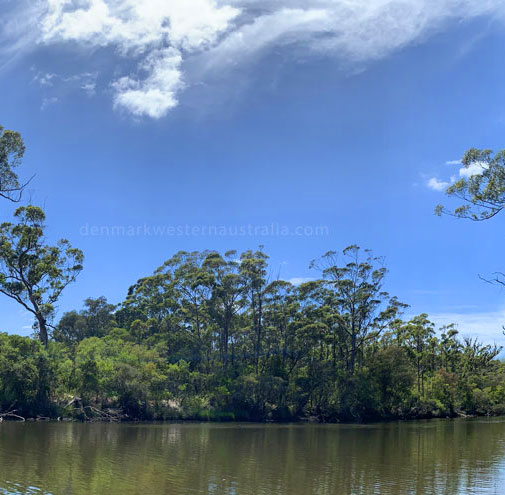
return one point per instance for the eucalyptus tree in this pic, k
(33, 273)
(450, 347)
(317, 374)
(482, 191)
(419, 331)
(150, 298)
(477, 358)
(361, 306)
(227, 297)
(12, 149)
(151, 315)
(191, 285)
(292, 327)
(94, 320)
(253, 268)
(281, 308)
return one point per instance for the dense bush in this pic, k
(208, 337)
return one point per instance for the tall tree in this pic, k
(33, 273)
(363, 309)
(226, 299)
(281, 307)
(253, 268)
(93, 321)
(419, 331)
(12, 149)
(191, 286)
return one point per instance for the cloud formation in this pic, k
(437, 185)
(155, 33)
(299, 280)
(487, 327)
(475, 168)
(160, 37)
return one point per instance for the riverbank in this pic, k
(95, 415)
(115, 378)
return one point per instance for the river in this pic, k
(448, 457)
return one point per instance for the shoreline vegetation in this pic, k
(215, 336)
(209, 337)
(103, 418)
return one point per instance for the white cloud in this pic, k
(161, 37)
(58, 84)
(44, 79)
(283, 26)
(89, 88)
(475, 168)
(134, 25)
(47, 102)
(19, 30)
(155, 95)
(156, 32)
(437, 185)
(487, 327)
(299, 280)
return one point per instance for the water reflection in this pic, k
(18, 489)
(451, 457)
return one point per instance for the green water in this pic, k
(432, 457)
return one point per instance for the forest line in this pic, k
(210, 335)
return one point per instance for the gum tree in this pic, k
(12, 149)
(482, 193)
(33, 273)
(362, 308)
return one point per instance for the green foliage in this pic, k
(31, 272)
(23, 375)
(95, 320)
(12, 149)
(483, 191)
(210, 337)
(108, 368)
(360, 308)
(392, 371)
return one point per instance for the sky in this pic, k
(303, 126)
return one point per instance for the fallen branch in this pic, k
(92, 413)
(72, 402)
(103, 415)
(77, 405)
(11, 414)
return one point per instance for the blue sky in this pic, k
(240, 114)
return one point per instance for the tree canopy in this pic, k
(482, 191)
(210, 336)
(33, 273)
(12, 150)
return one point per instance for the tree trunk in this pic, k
(225, 338)
(259, 332)
(352, 363)
(43, 335)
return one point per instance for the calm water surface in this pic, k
(433, 457)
